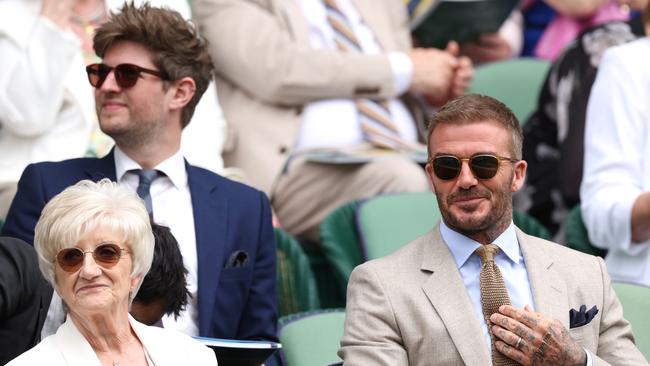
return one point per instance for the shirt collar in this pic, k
(462, 247)
(173, 167)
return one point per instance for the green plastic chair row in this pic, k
(576, 235)
(312, 338)
(516, 83)
(359, 231)
(296, 284)
(636, 302)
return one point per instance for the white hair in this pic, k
(87, 206)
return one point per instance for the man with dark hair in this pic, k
(476, 290)
(154, 69)
(164, 288)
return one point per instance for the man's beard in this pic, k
(493, 223)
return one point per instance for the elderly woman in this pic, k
(95, 245)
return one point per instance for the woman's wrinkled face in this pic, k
(97, 286)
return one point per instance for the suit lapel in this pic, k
(210, 208)
(99, 169)
(548, 287)
(446, 292)
(74, 347)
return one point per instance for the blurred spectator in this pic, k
(164, 288)
(24, 298)
(46, 105)
(503, 45)
(615, 190)
(286, 86)
(554, 134)
(549, 25)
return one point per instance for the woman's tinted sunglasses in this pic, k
(106, 255)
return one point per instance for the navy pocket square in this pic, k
(578, 318)
(237, 259)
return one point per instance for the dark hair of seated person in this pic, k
(164, 289)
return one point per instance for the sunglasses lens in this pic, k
(446, 167)
(96, 74)
(107, 254)
(126, 75)
(70, 259)
(484, 166)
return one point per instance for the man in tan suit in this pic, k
(286, 87)
(426, 303)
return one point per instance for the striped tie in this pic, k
(374, 115)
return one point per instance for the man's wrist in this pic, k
(402, 68)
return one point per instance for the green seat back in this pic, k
(636, 302)
(296, 286)
(340, 247)
(388, 222)
(312, 339)
(515, 82)
(576, 236)
(530, 225)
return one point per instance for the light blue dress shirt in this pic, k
(510, 261)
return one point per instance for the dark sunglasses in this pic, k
(106, 255)
(484, 166)
(126, 75)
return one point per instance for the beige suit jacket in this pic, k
(267, 71)
(411, 308)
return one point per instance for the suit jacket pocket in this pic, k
(587, 335)
(236, 273)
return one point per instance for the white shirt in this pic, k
(172, 207)
(509, 260)
(47, 108)
(617, 158)
(334, 122)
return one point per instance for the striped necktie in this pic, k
(374, 115)
(493, 295)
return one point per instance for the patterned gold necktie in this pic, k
(374, 115)
(493, 295)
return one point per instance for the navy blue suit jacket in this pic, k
(236, 302)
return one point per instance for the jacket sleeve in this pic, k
(371, 335)
(259, 318)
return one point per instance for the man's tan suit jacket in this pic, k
(267, 71)
(412, 308)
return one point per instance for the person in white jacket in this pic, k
(47, 109)
(615, 190)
